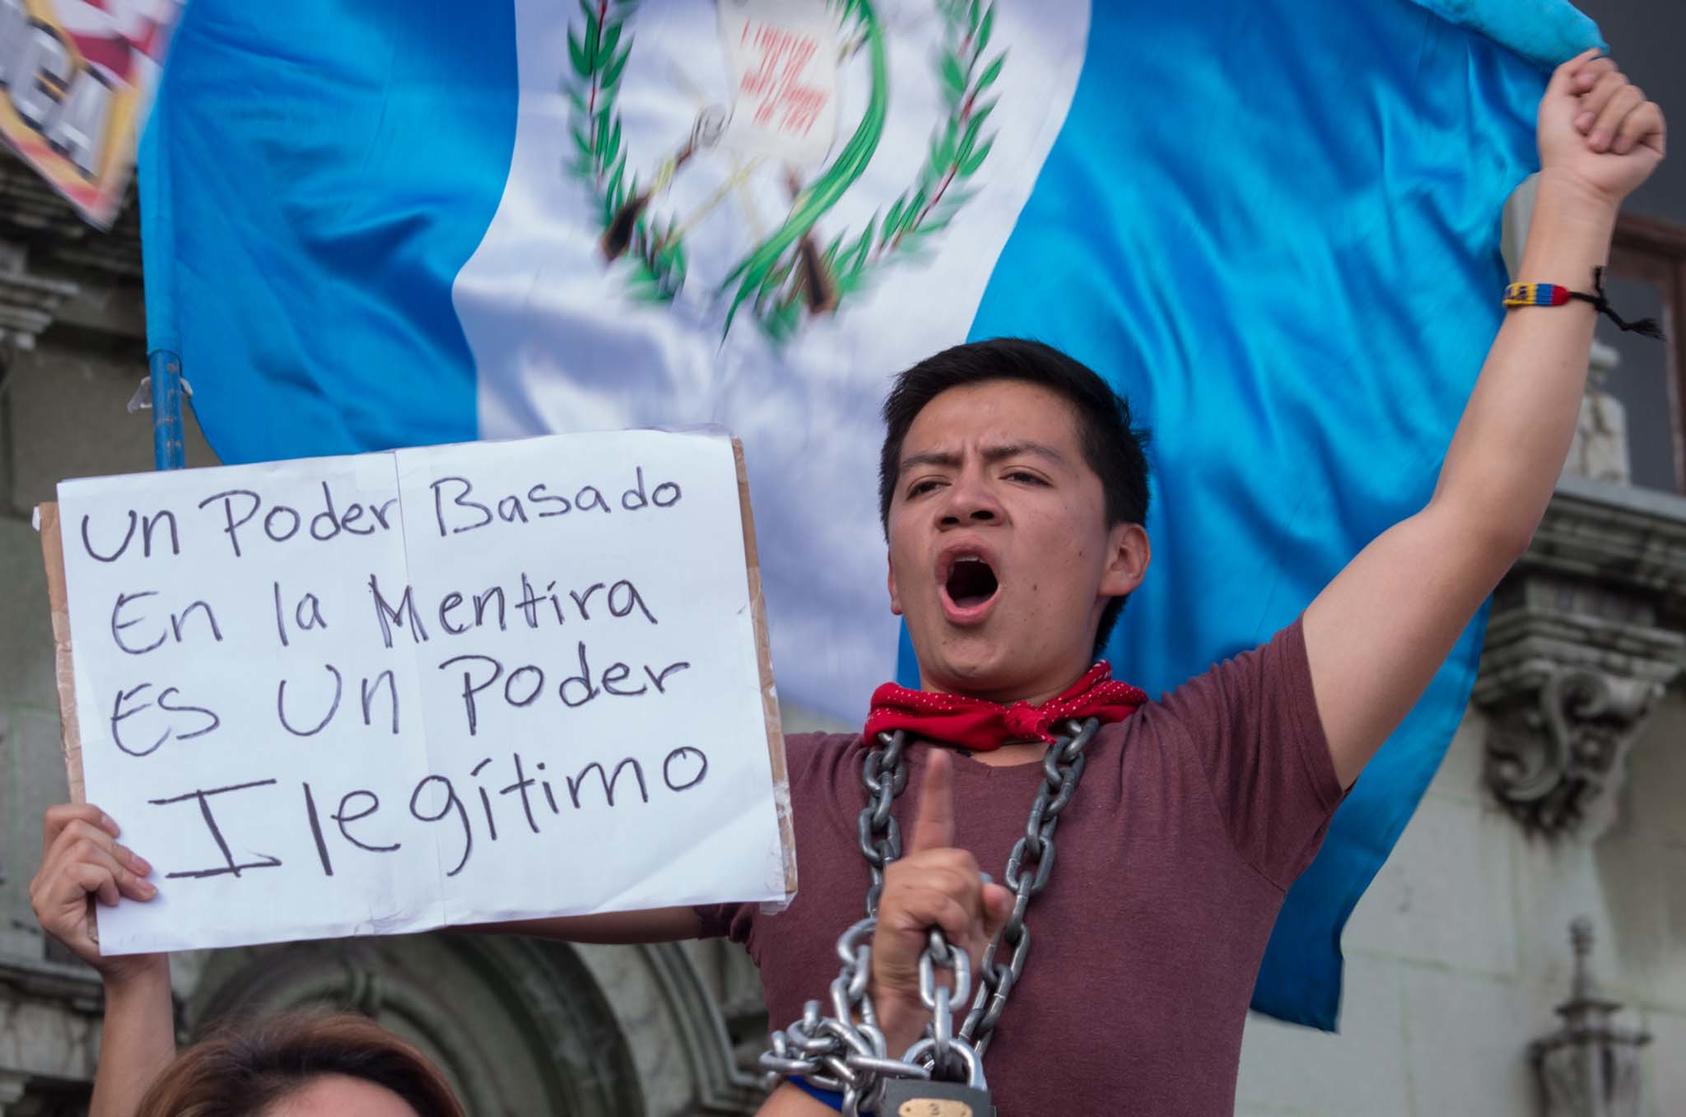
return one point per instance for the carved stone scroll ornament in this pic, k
(1584, 635)
(1556, 760)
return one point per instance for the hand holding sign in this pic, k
(82, 860)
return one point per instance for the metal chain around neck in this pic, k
(1028, 866)
(836, 1052)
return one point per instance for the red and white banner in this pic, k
(78, 77)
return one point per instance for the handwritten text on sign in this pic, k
(396, 691)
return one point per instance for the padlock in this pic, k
(919, 1097)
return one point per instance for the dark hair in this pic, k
(1111, 446)
(240, 1072)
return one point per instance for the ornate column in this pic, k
(1583, 639)
(1589, 1067)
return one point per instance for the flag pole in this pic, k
(167, 451)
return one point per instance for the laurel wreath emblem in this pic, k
(787, 277)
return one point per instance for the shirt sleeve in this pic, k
(1253, 723)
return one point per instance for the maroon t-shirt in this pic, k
(1192, 818)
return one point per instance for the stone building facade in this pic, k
(1563, 796)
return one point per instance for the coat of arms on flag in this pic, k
(759, 169)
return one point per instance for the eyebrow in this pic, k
(948, 459)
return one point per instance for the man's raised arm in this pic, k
(1377, 634)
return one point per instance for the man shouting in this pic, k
(1013, 492)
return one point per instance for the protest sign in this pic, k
(396, 691)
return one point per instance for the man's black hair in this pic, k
(1111, 446)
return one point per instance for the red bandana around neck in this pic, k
(982, 725)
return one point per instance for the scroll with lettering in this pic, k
(396, 691)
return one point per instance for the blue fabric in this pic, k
(1274, 225)
(304, 272)
(1544, 31)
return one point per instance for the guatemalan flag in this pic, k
(1273, 224)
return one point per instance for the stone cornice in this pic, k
(28, 305)
(1628, 538)
(73, 984)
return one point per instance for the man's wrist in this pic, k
(901, 1019)
(1566, 201)
(1569, 232)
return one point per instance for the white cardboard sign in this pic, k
(396, 691)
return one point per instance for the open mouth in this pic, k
(971, 582)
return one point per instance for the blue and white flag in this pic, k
(1273, 224)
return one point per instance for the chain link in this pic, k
(1028, 867)
(847, 1051)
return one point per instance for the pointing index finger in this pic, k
(933, 827)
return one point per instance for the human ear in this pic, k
(1128, 555)
(895, 598)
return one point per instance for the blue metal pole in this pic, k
(167, 450)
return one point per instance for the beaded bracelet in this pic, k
(1553, 294)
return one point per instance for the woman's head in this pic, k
(303, 1065)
